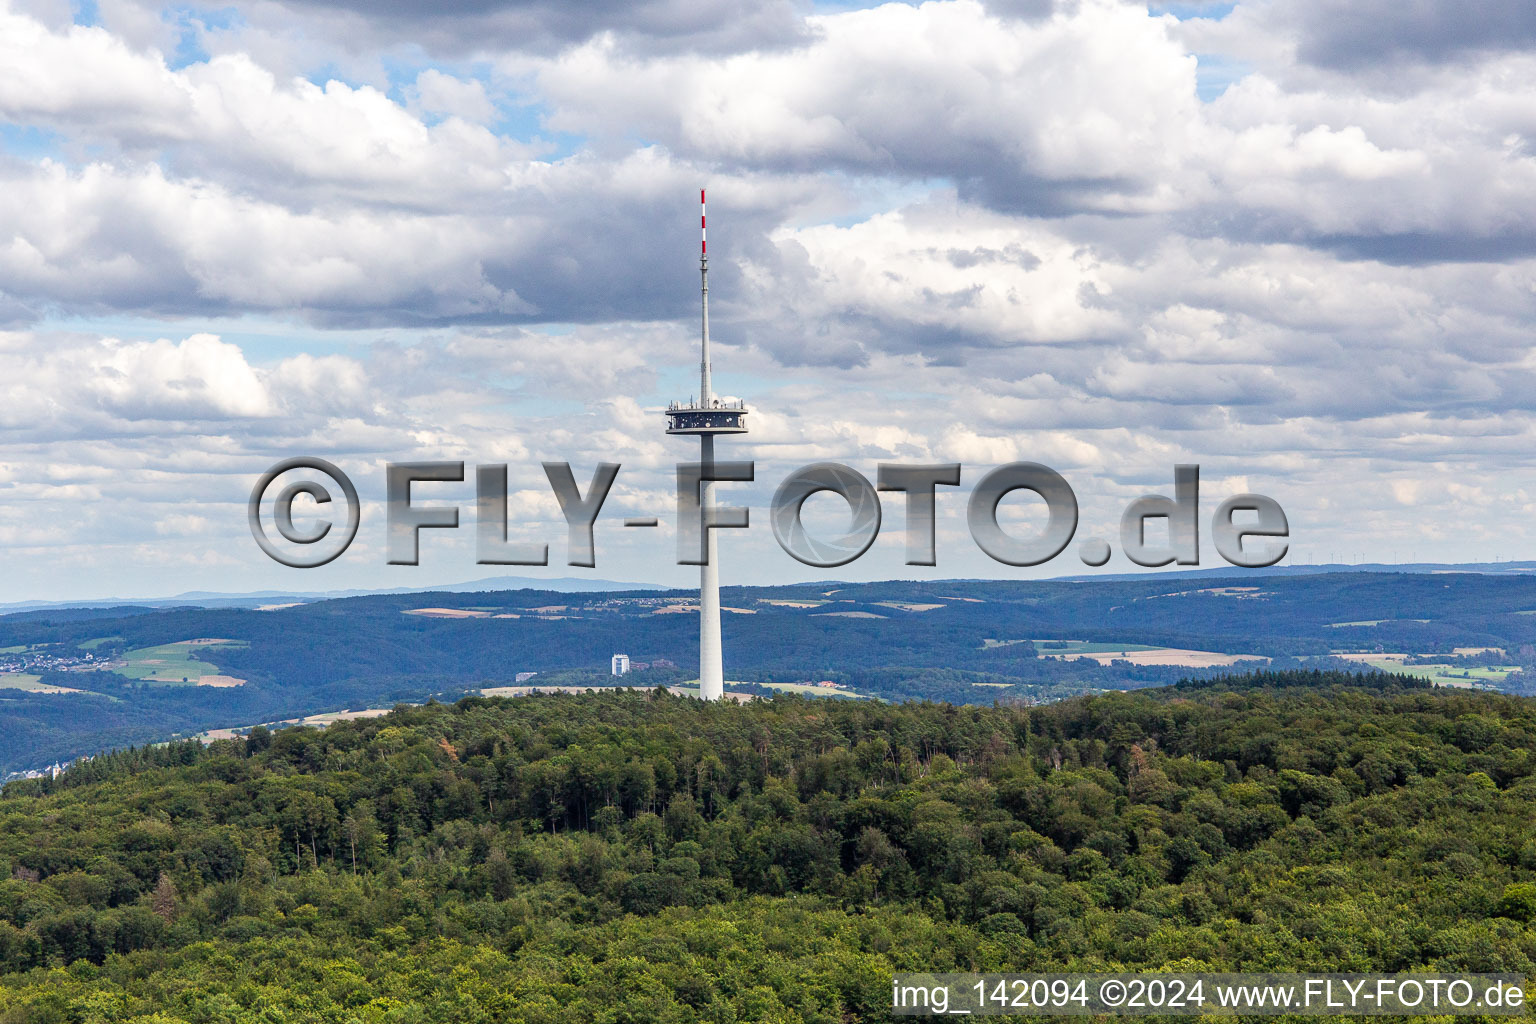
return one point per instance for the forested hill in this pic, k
(641, 857)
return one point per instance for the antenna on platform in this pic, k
(706, 388)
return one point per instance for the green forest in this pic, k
(635, 856)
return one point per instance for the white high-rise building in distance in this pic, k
(706, 418)
(621, 664)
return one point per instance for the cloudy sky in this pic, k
(1293, 242)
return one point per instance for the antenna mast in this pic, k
(705, 387)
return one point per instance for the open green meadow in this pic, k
(1069, 647)
(19, 681)
(95, 642)
(171, 663)
(1448, 675)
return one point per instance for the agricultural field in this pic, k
(693, 691)
(29, 682)
(447, 613)
(314, 721)
(524, 691)
(1073, 648)
(1140, 654)
(1238, 593)
(1476, 678)
(811, 690)
(85, 645)
(688, 609)
(176, 664)
(1371, 622)
(332, 717)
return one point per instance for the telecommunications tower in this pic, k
(706, 418)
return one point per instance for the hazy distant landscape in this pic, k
(157, 673)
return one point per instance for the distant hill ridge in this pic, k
(580, 585)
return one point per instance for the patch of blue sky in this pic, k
(332, 72)
(873, 195)
(29, 142)
(191, 24)
(1185, 11)
(519, 116)
(403, 67)
(839, 6)
(525, 120)
(189, 48)
(262, 339)
(84, 12)
(1214, 73)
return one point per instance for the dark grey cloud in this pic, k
(455, 27)
(1450, 243)
(1356, 34)
(1427, 247)
(1028, 10)
(999, 183)
(597, 242)
(592, 257)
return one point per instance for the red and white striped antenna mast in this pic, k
(706, 390)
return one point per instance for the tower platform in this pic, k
(715, 417)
